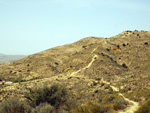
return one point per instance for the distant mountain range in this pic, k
(9, 58)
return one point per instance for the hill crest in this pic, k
(93, 64)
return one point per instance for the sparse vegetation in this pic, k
(121, 61)
(118, 46)
(124, 65)
(54, 95)
(90, 107)
(146, 43)
(44, 108)
(119, 104)
(145, 108)
(128, 31)
(108, 49)
(124, 45)
(14, 106)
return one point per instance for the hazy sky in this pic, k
(30, 26)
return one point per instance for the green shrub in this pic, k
(14, 106)
(145, 108)
(63, 111)
(119, 104)
(124, 44)
(44, 108)
(90, 107)
(146, 43)
(118, 46)
(124, 65)
(54, 95)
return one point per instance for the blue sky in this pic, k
(31, 26)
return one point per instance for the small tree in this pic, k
(54, 95)
(14, 106)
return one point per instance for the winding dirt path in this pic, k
(130, 109)
(133, 105)
(93, 59)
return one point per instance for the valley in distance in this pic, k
(92, 75)
(9, 58)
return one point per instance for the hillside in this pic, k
(95, 69)
(9, 58)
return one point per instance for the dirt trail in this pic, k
(93, 59)
(130, 109)
(133, 105)
(82, 69)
